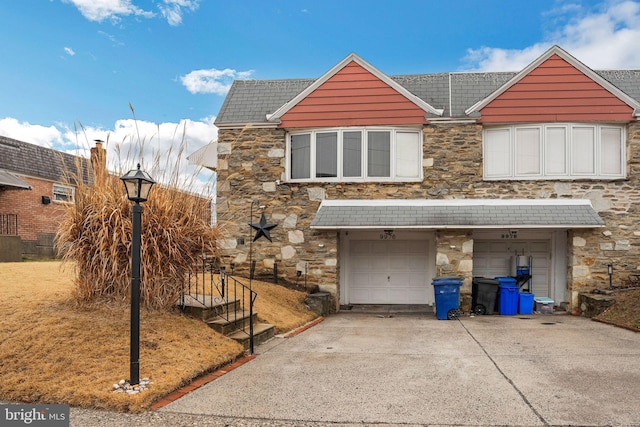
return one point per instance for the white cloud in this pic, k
(161, 148)
(111, 37)
(69, 51)
(172, 10)
(212, 80)
(114, 10)
(605, 39)
(35, 134)
(100, 10)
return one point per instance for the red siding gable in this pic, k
(353, 97)
(556, 91)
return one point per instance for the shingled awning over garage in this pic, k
(458, 213)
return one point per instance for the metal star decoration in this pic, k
(262, 228)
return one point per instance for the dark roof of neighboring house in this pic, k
(249, 101)
(36, 161)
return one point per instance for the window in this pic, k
(355, 154)
(554, 151)
(63, 193)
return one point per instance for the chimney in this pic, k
(99, 159)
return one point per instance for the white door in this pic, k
(388, 272)
(493, 258)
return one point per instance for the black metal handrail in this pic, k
(210, 288)
(8, 224)
(246, 294)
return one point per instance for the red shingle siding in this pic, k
(556, 91)
(353, 97)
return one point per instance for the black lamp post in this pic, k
(137, 184)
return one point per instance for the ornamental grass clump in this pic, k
(96, 235)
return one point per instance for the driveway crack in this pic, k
(522, 396)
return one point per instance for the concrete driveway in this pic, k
(411, 369)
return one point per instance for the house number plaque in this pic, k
(512, 234)
(388, 235)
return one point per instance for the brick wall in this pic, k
(37, 222)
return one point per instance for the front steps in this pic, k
(226, 317)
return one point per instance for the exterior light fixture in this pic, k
(610, 271)
(137, 184)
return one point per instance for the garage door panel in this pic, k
(407, 262)
(367, 280)
(409, 280)
(379, 248)
(388, 272)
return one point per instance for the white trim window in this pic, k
(63, 193)
(554, 151)
(355, 154)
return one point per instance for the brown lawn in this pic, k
(54, 352)
(626, 310)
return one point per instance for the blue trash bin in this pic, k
(447, 292)
(525, 303)
(508, 301)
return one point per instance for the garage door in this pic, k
(493, 258)
(388, 272)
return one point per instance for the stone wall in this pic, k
(252, 169)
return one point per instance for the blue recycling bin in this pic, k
(447, 296)
(508, 301)
(525, 303)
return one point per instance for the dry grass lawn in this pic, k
(626, 310)
(52, 351)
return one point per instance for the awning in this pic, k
(7, 179)
(206, 157)
(458, 213)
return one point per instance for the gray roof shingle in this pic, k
(33, 160)
(475, 214)
(249, 101)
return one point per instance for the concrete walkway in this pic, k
(411, 369)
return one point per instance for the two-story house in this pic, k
(380, 183)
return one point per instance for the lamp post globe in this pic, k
(138, 184)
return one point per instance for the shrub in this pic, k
(96, 235)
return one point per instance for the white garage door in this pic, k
(388, 272)
(493, 258)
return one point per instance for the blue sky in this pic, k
(72, 63)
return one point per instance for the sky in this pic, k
(154, 73)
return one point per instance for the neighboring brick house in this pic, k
(33, 192)
(380, 183)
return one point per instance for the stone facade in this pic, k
(251, 173)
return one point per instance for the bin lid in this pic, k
(441, 282)
(485, 281)
(508, 286)
(506, 279)
(543, 300)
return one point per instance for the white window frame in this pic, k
(394, 174)
(547, 160)
(59, 189)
